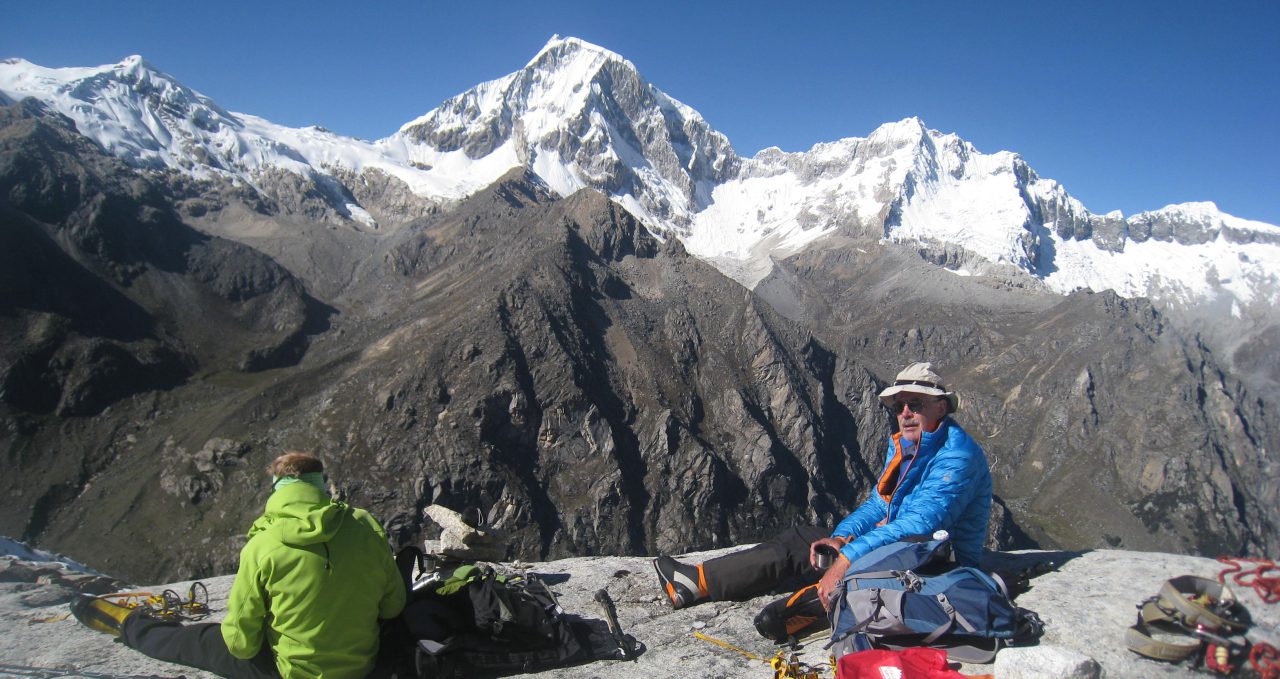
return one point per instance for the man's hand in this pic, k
(831, 580)
(833, 543)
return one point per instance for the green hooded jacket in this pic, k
(313, 581)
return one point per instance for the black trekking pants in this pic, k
(780, 563)
(199, 646)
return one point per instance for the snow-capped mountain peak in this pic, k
(580, 116)
(579, 56)
(151, 121)
(132, 109)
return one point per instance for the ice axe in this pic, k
(611, 617)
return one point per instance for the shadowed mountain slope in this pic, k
(1105, 424)
(597, 390)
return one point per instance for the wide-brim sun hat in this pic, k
(919, 378)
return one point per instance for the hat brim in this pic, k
(886, 396)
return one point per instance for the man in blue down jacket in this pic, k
(935, 478)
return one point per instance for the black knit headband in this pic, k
(919, 383)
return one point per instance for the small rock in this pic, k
(464, 540)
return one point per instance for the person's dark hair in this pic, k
(295, 464)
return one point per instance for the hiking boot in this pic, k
(100, 614)
(682, 584)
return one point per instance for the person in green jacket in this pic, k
(314, 579)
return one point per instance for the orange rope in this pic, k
(1267, 586)
(1266, 660)
(1264, 657)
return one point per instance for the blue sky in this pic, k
(1130, 105)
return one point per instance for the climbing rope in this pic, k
(1265, 660)
(1264, 657)
(1267, 586)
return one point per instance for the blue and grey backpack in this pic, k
(909, 594)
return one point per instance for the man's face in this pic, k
(918, 413)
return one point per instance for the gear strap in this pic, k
(1139, 639)
(1195, 602)
(1192, 608)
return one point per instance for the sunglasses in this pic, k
(915, 405)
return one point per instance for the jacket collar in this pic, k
(931, 441)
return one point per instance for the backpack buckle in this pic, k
(910, 581)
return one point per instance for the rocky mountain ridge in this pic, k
(509, 354)
(114, 289)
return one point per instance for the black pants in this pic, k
(779, 564)
(199, 646)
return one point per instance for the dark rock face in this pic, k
(1105, 425)
(109, 292)
(105, 295)
(596, 390)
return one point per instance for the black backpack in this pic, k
(467, 620)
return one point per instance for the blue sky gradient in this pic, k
(1130, 105)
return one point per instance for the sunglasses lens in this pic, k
(914, 405)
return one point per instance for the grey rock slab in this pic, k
(1086, 605)
(49, 637)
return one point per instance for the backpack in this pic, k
(792, 617)
(906, 594)
(467, 620)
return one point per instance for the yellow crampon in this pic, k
(167, 604)
(785, 665)
(788, 666)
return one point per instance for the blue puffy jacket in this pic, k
(946, 486)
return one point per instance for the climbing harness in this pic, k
(1197, 603)
(785, 665)
(1190, 613)
(166, 605)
